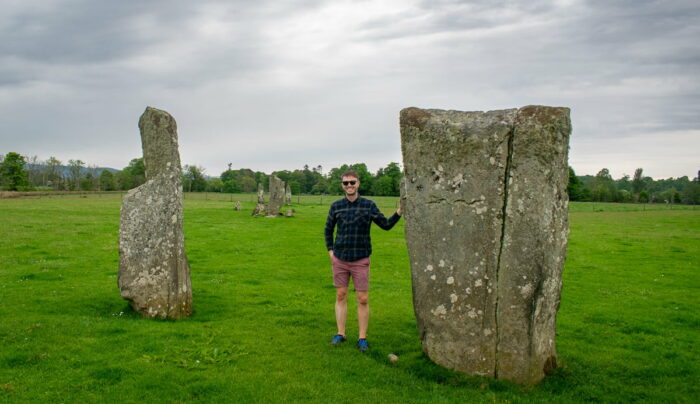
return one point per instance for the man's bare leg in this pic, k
(363, 312)
(341, 308)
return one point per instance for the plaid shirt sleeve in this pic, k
(330, 225)
(381, 221)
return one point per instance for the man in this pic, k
(350, 252)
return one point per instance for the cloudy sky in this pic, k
(272, 85)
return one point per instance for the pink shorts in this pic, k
(359, 270)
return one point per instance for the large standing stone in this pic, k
(154, 275)
(288, 195)
(276, 196)
(486, 228)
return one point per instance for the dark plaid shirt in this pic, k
(352, 241)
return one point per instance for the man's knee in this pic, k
(362, 298)
(341, 294)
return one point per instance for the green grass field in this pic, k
(628, 327)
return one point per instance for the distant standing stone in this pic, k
(261, 193)
(276, 196)
(260, 210)
(486, 227)
(288, 195)
(289, 213)
(154, 275)
(238, 205)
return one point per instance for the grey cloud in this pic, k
(83, 72)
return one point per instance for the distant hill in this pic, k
(65, 170)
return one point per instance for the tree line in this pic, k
(20, 173)
(638, 188)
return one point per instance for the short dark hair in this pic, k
(350, 173)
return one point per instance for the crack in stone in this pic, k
(509, 162)
(445, 200)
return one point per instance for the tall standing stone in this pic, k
(276, 196)
(486, 228)
(288, 195)
(154, 275)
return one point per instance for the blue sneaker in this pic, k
(337, 339)
(362, 345)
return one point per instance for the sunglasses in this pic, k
(346, 183)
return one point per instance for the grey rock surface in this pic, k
(237, 206)
(288, 195)
(276, 196)
(260, 210)
(261, 193)
(485, 206)
(154, 275)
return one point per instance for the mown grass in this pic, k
(628, 324)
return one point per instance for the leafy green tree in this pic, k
(603, 189)
(382, 186)
(260, 178)
(643, 197)
(625, 196)
(193, 179)
(13, 175)
(106, 181)
(87, 183)
(35, 171)
(320, 187)
(75, 170)
(53, 174)
(295, 187)
(132, 175)
(691, 194)
(214, 184)
(638, 181)
(671, 196)
(248, 184)
(231, 187)
(227, 175)
(392, 171)
(624, 183)
(244, 180)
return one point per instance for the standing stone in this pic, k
(289, 213)
(276, 196)
(288, 195)
(238, 205)
(261, 193)
(259, 210)
(260, 207)
(154, 275)
(486, 228)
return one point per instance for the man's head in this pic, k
(350, 182)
